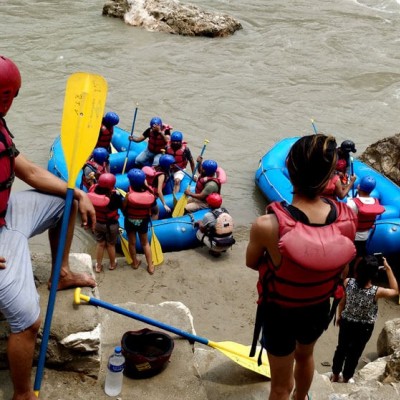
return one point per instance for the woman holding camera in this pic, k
(357, 313)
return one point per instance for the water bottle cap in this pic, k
(118, 349)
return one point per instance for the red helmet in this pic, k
(341, 165)
(214, 200)
(10, 82)
(107, 181)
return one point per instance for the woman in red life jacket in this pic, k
(335, 187)
(110, 119)
(158, 135)
(137, 210)
(357, 313)
(182, 154)
(367, 208)
(106, 201)
(301, 251)
(98, 164)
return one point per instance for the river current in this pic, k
(336, 62)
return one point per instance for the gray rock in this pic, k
(389, 338)
(384, 156)
(170, 16)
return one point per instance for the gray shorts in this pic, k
(29, 213)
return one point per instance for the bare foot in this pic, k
(72, 280)
(98, 268)
(150, 270)
(136, 265)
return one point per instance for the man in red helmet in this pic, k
(24, 215)
(216, 227)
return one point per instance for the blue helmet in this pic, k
(367, 184)
(209, 167)
(166, 161)
(155, 121)
(100, 155)
(111, 119)
(136, 177)
(176, 136)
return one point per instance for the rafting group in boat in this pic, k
(163, 162)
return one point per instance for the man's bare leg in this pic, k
(20, 349)
(68, 279)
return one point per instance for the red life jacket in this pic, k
(156, 142)
(312, 258)
(139, 204)
(201, 183)
(180, 160)
(330, 187)
(8, 153)
(100, 203)
(105, 137)
(154, 184)
(96, 168)
(367, 214)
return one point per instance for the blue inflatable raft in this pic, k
(273, 180)
(174, 234)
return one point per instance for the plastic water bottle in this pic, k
(115, 368)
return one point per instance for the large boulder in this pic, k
(384, 156)
(171, 16)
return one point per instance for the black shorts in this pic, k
(137, 225)
(283, 327)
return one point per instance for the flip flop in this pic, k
(112, 267)
(137, 265)
(150, 271)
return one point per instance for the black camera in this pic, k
(379, 256)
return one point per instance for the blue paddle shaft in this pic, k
(53, 289)
(133, 128)
(198, 163)
(142, 318)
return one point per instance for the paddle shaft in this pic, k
(130, 141)
(314, 127)
(352, 173)
(53, 291)
(198, 162)
(142, 318)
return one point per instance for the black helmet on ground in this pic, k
(146, 352)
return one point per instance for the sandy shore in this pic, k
(220, 293)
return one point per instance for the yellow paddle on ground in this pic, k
(84, 102)
(235, 351)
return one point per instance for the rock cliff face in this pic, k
(170, 16)
(384, 156)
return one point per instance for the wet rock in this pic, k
(384, 156)
(170, 16)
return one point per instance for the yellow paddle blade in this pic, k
(240, 355)
(179, 209)
(156, 250)
(84, 102)
(125, 248)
